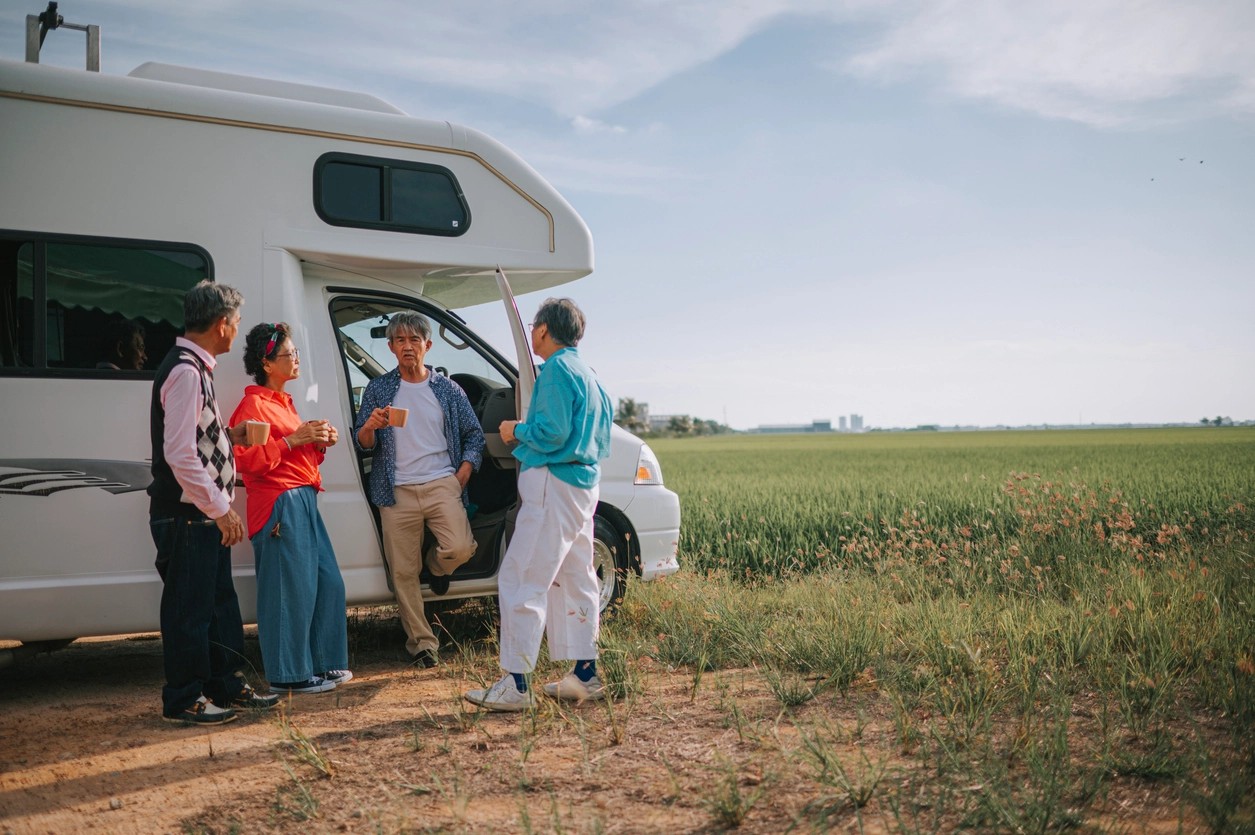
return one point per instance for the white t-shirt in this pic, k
(422, 451)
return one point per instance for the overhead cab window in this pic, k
(91, 307)
(395, 195)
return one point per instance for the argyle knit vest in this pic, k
(213, 445)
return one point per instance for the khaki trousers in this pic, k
(438, 505)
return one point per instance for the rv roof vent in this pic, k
(261, 87)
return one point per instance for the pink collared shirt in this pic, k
(181, 399)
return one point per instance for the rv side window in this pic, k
(91, 307)
(353, 193)
(371, 193)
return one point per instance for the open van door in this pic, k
(495, 386)
(498, 448)
(522, 346)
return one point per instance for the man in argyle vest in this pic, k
(193, 525)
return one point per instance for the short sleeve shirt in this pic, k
(422, 449)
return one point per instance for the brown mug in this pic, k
(256, 432)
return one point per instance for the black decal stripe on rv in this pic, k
(43, 488)
(45, 476)
(18, 481)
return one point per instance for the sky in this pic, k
(989, 212)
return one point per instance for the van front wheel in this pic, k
(610, 560)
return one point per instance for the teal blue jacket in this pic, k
(568, 422)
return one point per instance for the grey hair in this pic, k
(408, 320)
(563, 318)
(208, 302)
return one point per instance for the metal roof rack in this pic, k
(37, 27)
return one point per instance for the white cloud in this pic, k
(585, 124)
(573, 57)
(1101, 62)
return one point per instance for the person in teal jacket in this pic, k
(547, 585)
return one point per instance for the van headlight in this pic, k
(648, 470)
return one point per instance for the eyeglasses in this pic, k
(295, 354)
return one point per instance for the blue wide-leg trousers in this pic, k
(300, 594)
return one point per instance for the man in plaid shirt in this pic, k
(419, 473)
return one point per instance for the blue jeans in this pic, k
(202, 637)
(301, 622)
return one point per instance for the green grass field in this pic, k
(988, 632)
(1070, 613)
(774, 503)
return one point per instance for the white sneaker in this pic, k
(316, 684)
(570, 687)
(503, 696)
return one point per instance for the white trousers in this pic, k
(547, 584)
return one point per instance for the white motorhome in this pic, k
(328, 209)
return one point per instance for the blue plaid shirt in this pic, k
(461, 430)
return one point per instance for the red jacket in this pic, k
(271, 468)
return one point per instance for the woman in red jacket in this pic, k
(300, 593)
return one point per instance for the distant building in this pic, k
(842, 426)
(658, 423)
(856, 423)
(793, 428)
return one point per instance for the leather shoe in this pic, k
(250, 699)
(425, 658)
(439, 585)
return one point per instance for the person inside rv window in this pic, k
(548, 584)
(426, 443)
(300, 594)
(192, 523)
(122, 347)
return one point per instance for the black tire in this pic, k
(610, 559)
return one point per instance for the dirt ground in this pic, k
(83, 748)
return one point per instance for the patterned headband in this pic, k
(279, 330)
